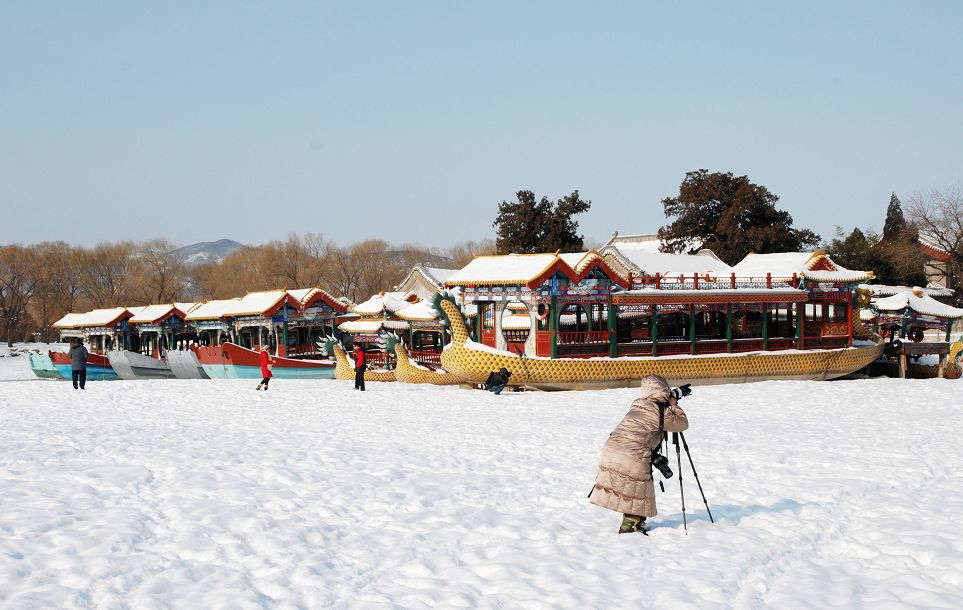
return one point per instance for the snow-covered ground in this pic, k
(207, 494)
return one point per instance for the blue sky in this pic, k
(410, 121)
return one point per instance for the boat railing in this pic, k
(381, 360)
(423, 356)
(708, 281)
(583, 337)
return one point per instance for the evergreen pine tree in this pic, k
(895, 224)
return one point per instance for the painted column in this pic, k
(949, 329)
(553, 327)
(613, 326)
(765, 326)
(692, 329)
(729, 327)
(533, 329)
(500, 342)
(654, 329)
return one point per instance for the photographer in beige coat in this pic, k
(624, 482)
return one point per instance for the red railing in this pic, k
(776, 344)
(583, 336)
(709, 347)
(422, 356)
(635, 349)
(380, 360)
(675, 347)
(746, 345)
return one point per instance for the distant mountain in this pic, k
(207, 251)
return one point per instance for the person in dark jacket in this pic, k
(497, 381)
(360, 366)
(78, 364)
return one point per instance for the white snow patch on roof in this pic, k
(919, 302)
(505, 269)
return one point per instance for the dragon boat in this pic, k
(789, 316)
(410, 371)
(344, 369)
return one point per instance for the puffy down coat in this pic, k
(624, 482)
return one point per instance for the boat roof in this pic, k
(645, 260)
(420, 311)
(152, 314)
(213, 310)
(526, 269)
(97, 317)
(384, 302)
(263, 303)
(817, 266)
(920, 302)
(883, 290)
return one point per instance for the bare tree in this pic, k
(17, 286)
(109, 272)
(939, 218)
(58, 285)
(161, 277)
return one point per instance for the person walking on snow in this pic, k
(267, 363)
(360, 365)
(78, 363)
(624, 482)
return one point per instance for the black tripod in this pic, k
(678, 454)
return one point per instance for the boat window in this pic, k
(673, 325)
(781, 321)
(747, 321)
(633, 323)
(515, 323)
(710, 322)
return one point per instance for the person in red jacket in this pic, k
(267, 363)
(360, 364)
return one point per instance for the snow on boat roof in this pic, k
(422, 310)
(439, 274)
(883, 290)
(378, 304)
(919, 302)
(257, 303)
(785, 264)
(302, 294)
(152, 313)
(651, 262)
(503, 269)
(212, 310)
(69, 321)
(97, 317)
(187, 307)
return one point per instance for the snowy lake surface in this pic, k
(208, 494)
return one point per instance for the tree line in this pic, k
(39, 283)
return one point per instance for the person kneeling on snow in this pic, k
(624, 482)
(497, 381)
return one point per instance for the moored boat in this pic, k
(232, 361)
(784, 316)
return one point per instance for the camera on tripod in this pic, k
(682, 390)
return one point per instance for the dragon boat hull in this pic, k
(345, 368)
(231, 361)
(473, 363)
(42, 366)
(98, 367)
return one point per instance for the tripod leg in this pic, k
(696, 474)
(678, 455)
